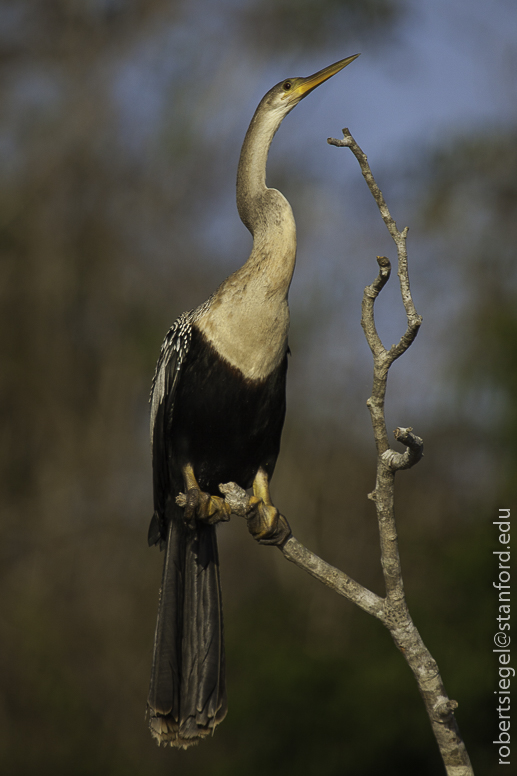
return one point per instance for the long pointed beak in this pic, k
(312, 81)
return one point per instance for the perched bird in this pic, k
(217, 411)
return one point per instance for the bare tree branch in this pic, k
(397, 618)
(392, 610)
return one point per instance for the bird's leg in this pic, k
(265, 522)
(199, 505)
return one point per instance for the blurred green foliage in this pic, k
(472, 201)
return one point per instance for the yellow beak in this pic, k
(312, 81)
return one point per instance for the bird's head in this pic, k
(284, 96)
(272, 109)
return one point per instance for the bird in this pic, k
(218, 403)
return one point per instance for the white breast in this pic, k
(247, 320)
(248, 329)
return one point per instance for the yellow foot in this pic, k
(206, 508)
(265, 523)
(200, 505)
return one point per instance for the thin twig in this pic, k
(399, 238)
(414, 450)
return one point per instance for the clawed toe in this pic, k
(213, 509)
(205, 508)
(266, 524)
(199, 505)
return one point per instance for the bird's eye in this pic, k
(287, 85)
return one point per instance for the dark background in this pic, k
(120, 129)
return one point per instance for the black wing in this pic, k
(165, 381)
(187, 695)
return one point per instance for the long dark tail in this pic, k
(187, 696)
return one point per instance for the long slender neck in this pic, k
(247, 320)
(265, 212)
(255, 207)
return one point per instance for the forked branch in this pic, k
(391, 610)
